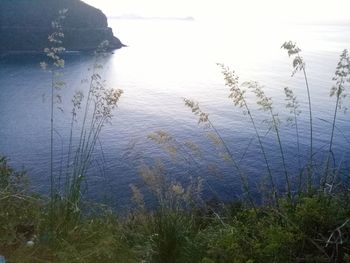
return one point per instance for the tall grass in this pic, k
(204, 118)
(341, 78)
(56, 63)
(237, 92)
(299, 65)
(293, 106)
(97, 110)
(266, 105)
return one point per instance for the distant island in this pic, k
(25, 25)
(133, 16)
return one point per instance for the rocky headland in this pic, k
(26, 24)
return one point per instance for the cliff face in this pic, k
(26, 24)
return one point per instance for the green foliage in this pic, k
(172, 233)
(307, 229)
(10, 180)
(95, 240)
(18, 211)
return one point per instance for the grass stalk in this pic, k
(311, 130)
(238, 96)
(204, 118)
(341, 77)
(262, 148)
(293, 106)
(52, 189)
(242, 176)
(265, 104)
(53, 53)
(299, 65)
(289, 191)
(331, 142)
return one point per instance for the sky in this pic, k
(237, 10)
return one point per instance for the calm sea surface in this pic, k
(166, 61)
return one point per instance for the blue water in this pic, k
(165, 61)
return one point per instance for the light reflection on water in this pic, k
(167, 60)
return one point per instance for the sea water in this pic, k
(166, 61)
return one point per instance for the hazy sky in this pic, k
(309, 10)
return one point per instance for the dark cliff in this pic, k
(26, 24)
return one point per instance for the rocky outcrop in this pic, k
(26, 24)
